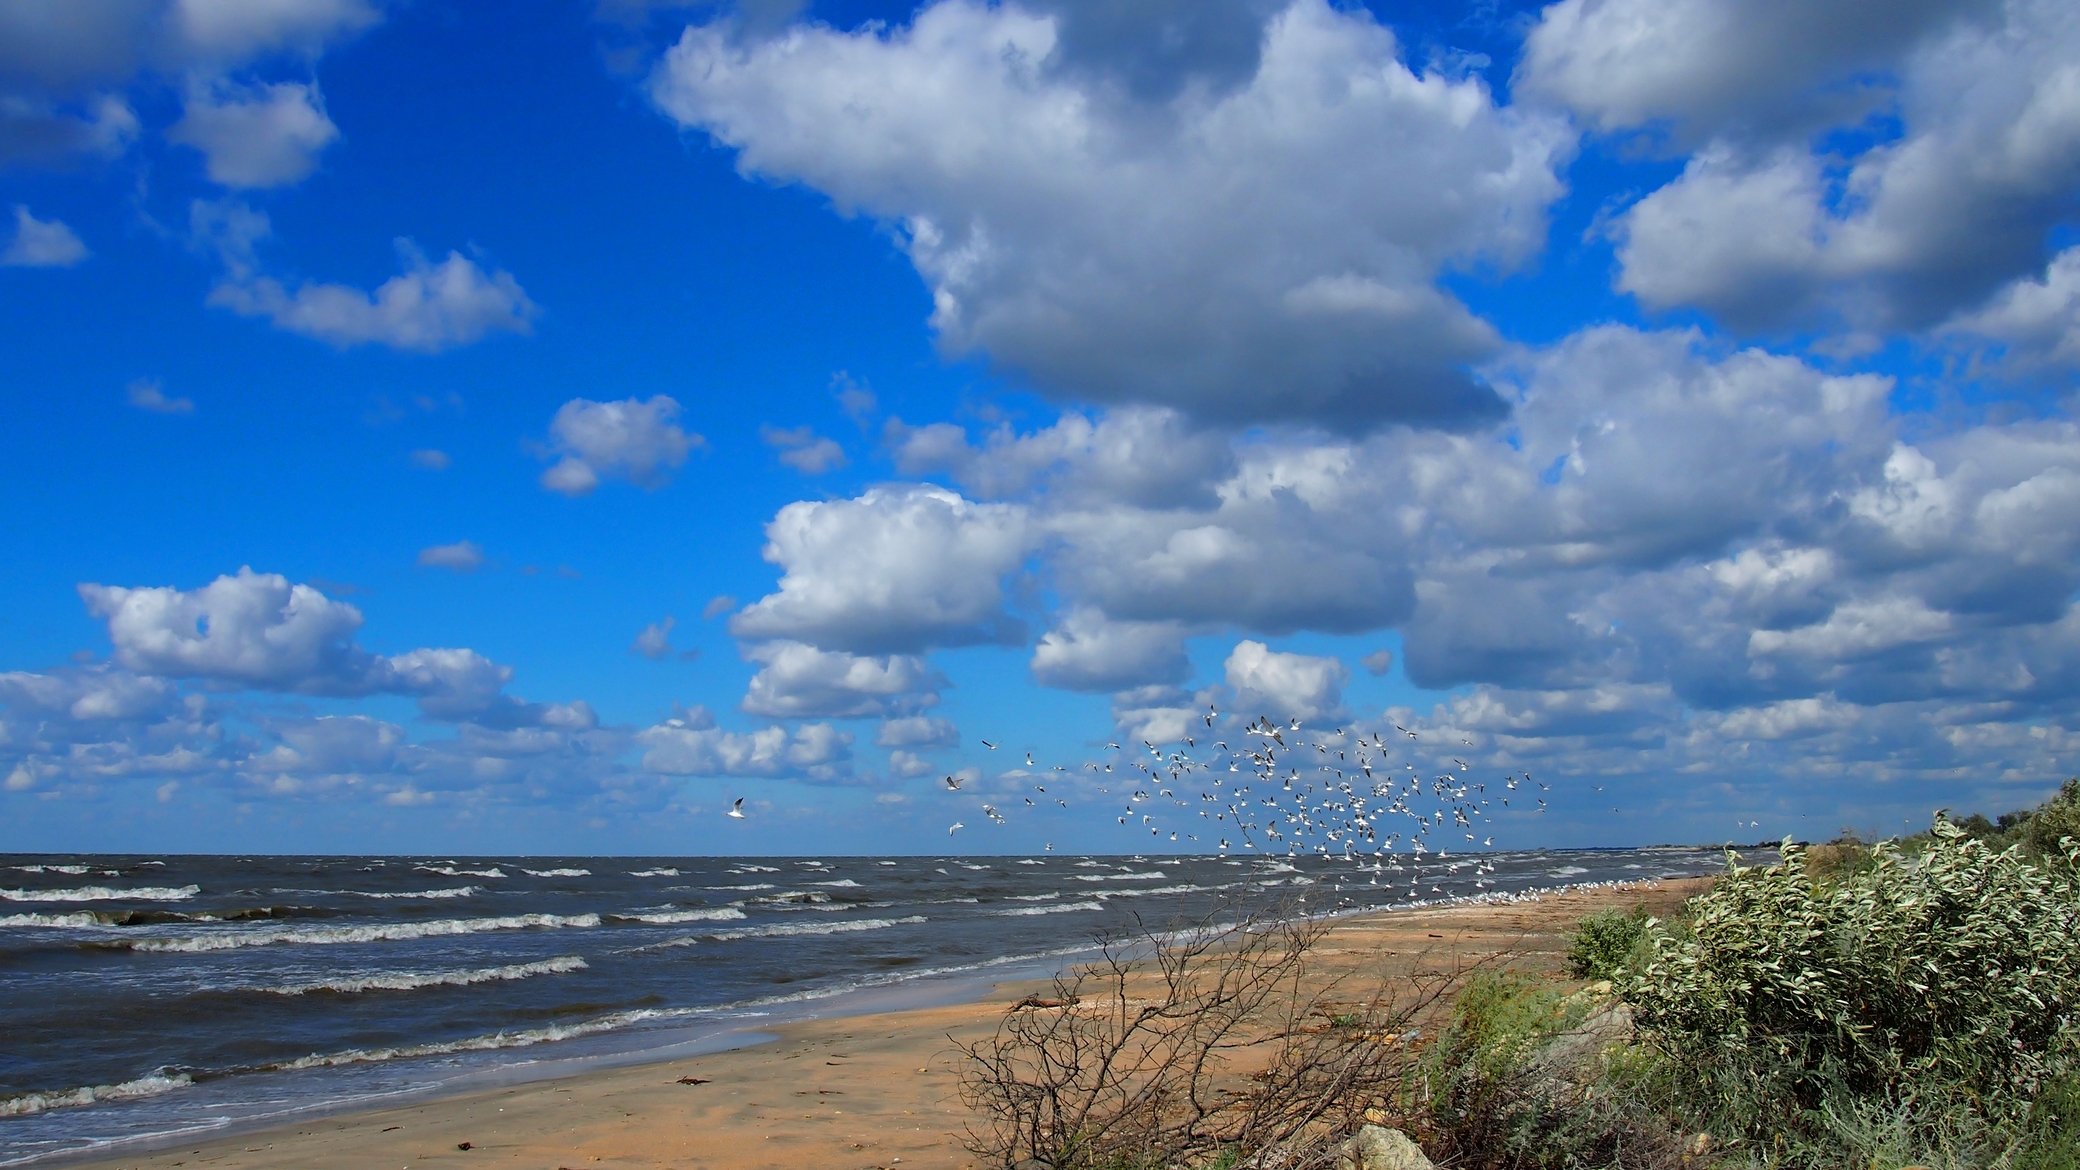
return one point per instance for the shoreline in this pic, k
(869, 1081)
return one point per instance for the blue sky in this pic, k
(436, 431)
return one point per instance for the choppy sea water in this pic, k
(142, 998)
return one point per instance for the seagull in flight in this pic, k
(737, 810)
(953, 784)
(989, 745)
(955, 827)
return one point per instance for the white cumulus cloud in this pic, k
(1187, 247)
(640, 441)
(41, 243)
(895, 569)
(258, 135)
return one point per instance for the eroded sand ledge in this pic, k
(846, 1093)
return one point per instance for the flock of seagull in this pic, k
(1283, 788)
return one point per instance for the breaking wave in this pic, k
(104, 894)
(150, 1086)
(386, 932)
(413, 981)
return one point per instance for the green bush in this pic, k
(1605, 942)
(2054, 821)
(1928, 1001)
(1519, 1079)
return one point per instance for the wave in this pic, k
(520, 1038)
(790, 898)
(747, 867)
(670, 917)
(840, 884)
(1155, 891)
(1568, 871)
(72, 870)
(556, 872)
(665, 872)
(449, 892)
(451, 871)
(1150, 876)
(150, 1086)
(413, 981)
(92, 918)
(389, 932)
(788, 929)
(1063, 908)
(104, 894)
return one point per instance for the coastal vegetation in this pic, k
(1903, 1004)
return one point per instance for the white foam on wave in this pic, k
(1047, 897)
(670, 917)
(665, 872)
(785, 929)
(104, 894)
(387, 932)
(452, 871)
(150, 1086)
(1568, 871)
(73, 870)
(840, 884)
(451, 892)
(1063, 908)
(77, 918)
(752, 886)
(1150, 876)
(747, 867)
(798, 928)
(1151, 891)
(414, 980)
(565, 872)
(1029, 861)
(519, 1038)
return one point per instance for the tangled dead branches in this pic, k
(1182, 1048)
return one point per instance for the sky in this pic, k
(433, 429)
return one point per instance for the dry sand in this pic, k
(849, 1093)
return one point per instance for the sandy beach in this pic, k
(841, 1093)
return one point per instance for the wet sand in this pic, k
(866, 1092)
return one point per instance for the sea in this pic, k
(148, 1000)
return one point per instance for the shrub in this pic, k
(2054, 821)
(1205, 1051)
(1605, 942)
(1933, 999)
(1519, 1079)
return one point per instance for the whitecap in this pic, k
(386, 932)
(670, 917)
(104, 894)
(414, 980)
(789, 929)
(556, 872)
(1065, 907)
(452, 892)
(149, 1086)
(452, 871)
